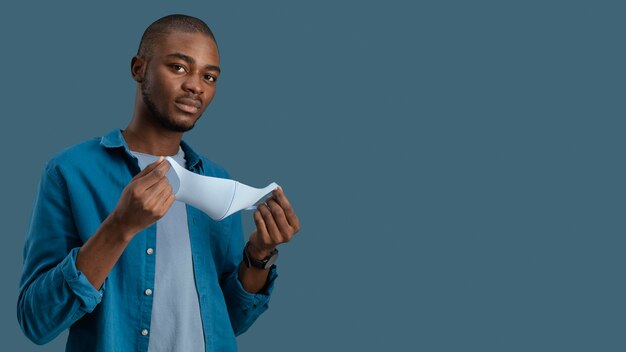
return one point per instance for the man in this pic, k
(113, 256)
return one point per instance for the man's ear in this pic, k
(138, 68)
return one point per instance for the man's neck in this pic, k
(144, 139)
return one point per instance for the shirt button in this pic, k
(144, 332)
(149, 251)
(148, 292)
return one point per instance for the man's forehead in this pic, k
(190, 44)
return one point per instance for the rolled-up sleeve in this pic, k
(53, 292)
(243, 307)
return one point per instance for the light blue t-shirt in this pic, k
(176, 322)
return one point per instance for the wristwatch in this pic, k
(265, 263)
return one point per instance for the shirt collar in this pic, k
(194, 161)
(115, 139)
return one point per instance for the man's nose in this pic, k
(193, 84)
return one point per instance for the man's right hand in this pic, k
(145, 200)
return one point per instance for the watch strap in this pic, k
(264, 263)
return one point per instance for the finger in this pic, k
(163, 204)
(270, 224)
(159, 185)
(146, 170)
(159, 204)
(279, 195)
(261, 228)
(159, 192)
(167, 203)
(279, 218)
(153, 176)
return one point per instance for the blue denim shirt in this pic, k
(78, 189)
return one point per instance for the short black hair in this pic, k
(169, 24)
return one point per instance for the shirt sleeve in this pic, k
(243, 307)
(53, 292)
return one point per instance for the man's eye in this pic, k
(210, 78)
(178, 68)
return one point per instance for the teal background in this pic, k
(457, 166)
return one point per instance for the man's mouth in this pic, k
(188, 105)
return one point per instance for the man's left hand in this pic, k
(276, 223)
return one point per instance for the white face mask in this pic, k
(217, 197)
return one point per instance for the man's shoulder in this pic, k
(82, 154)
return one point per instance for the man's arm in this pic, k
(247, 290)
(54, 267)
(49, 265)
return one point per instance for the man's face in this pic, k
(180, 78)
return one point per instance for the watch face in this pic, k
(271, 261)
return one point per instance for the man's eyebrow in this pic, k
(191, 60)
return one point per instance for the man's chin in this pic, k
(179, 126)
